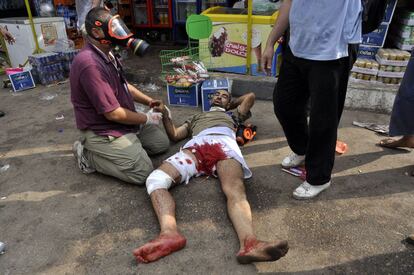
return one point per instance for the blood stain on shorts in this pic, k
(188, 161)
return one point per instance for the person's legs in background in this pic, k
(324, 82)
(290, 97)
(402, 122)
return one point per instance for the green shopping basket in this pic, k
(197, 27)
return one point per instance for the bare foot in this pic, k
(405, 141)
(160, 247)
(260, 251)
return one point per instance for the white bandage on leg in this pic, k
(184, 164)
(158, 179)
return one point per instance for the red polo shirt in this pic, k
(97, 88)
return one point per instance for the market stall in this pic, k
(228, 46)
(384, 53)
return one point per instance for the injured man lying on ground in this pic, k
(213, 150)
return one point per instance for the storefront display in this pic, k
(227, 45)
(184, 8)
(152, 13)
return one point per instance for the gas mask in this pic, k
(117, 33)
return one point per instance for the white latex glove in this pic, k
(153, 118)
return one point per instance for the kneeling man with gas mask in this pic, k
(115, 139)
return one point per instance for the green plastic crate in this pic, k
(194, 50)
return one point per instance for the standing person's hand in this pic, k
(7, 36)
(267, 58)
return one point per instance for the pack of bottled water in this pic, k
(52, 67)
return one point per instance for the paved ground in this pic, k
(56, 220)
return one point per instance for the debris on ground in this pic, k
(341, 147)
(2, 248)
(299, 171)
(382, 129)
(60, 117)
(48, 96)
(4, 168)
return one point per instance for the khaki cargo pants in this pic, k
(126, 157)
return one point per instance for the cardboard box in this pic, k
(389, 11)
(184, 96)
(377, 37)
(367, 52)
(209, 87)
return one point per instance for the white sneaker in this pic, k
(82, 161)
(307, 191)
(293, 160)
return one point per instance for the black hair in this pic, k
(95, 14)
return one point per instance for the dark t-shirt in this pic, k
(97, 88)
(203, 121)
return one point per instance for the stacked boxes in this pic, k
(66, 57)
(192, 96)
(184, 96)
(393, 64)
(365, 69)
(48, 68)
(402, 33)
(388, 68)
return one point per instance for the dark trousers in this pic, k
(324, 84)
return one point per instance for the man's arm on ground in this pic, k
(244, 103)
(175, 134)
(139, 96)
(281, 25)
(125, 116)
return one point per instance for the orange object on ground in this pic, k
(341, 147)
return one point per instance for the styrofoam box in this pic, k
(391, 74)
(209, 87)
(408, 22)
(400, 63)
(364, 70)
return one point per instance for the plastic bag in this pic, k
(63, 45)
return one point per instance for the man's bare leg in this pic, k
(251, 249)
(169, 239)
(405, 141)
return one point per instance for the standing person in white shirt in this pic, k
(315, 68)
(82, 9)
